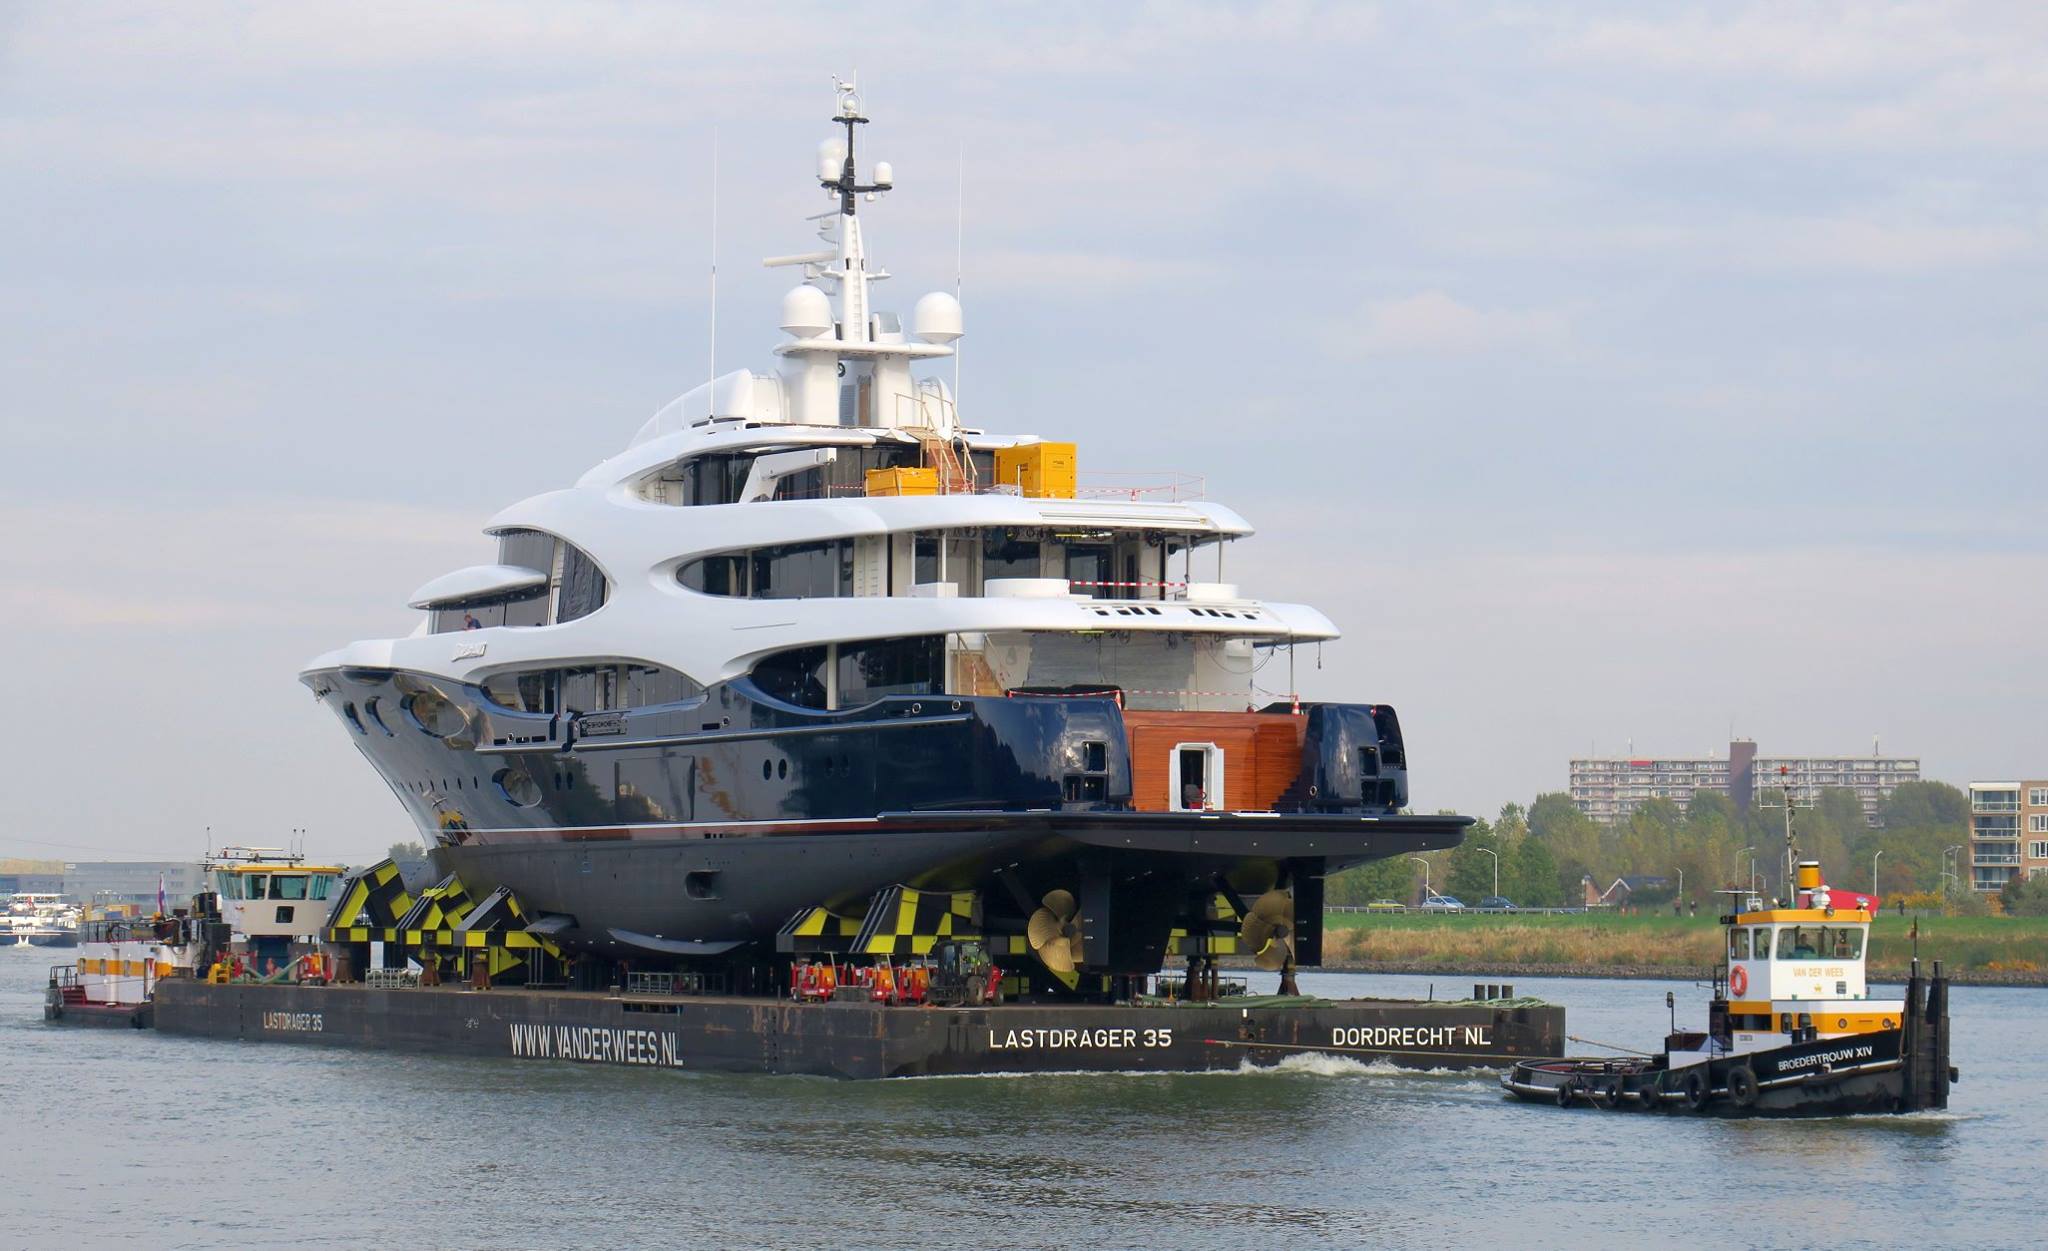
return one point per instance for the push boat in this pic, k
(1791, 1029)
(259, 921)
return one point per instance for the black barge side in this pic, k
(859, 1040)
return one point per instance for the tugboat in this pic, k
(258, 921)
(1791, 1030)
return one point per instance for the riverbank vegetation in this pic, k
(1542, 855)
(1479, 942)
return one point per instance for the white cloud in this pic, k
(1431, 323)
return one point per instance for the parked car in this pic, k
(1386, 905)
(1443, 903)
(1496, 903)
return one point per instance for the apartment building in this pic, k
(2008, 832)
(1610, 788)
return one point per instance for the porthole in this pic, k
(767, 769)
(782, 768)
(518, 787)
(433, 713)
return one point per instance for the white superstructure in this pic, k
(1022, 583)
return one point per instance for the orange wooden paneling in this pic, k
(1261, 754)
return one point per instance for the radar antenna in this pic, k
(848, 186)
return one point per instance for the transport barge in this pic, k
(721, 1033)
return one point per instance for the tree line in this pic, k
(1547, 848)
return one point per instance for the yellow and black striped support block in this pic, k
(906, 922)
(817, 931)
(374, 898)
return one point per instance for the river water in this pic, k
(115, 1135)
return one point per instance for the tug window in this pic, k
(1738, 944)
(1800, 944)
(1763, 942)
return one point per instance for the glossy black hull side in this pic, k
(738, 755)
(712, 885)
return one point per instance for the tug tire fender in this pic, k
(1567, 1091)
(1694, 1087)
(1742, 1087)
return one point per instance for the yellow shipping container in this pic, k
(1039, 470)
(903, 482)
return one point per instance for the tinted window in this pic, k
(523, 692)
(716, 575)
(795, 677)
(803, 571)
(527, 549)
(716, 478)
(1004, 555)
(869, 671)
(865, 671)
(583, 585)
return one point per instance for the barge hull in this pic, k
(858, 1040)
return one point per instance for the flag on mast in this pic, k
(160, 909)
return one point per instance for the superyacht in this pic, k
(812, 636)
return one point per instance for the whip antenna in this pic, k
(714, 255)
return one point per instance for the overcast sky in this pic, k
(1605, 376)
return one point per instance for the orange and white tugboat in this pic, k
(1791, 1031)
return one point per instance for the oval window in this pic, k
(518, 787)
(433, 712)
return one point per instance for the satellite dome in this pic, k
(831, 159)
(807, 313)
(936, 319)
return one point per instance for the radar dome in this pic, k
(936, 319)
(885, 174)
(807, 313)
(831, 159)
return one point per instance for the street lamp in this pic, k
(1425, 877)
(1873, 871)
(1681, 888)
(1496, 870)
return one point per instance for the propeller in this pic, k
(1054, 933)
(1268, 930)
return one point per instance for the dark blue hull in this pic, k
(682, 828)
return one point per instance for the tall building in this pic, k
(132, 881)
(1610, 788)
(2008, 832)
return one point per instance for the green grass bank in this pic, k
(1992, 950)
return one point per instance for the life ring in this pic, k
(1738, 980)
(1742, 1087)
(1693, 1086)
